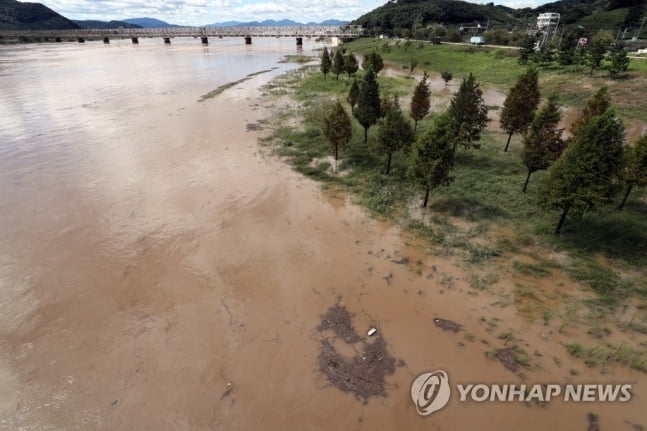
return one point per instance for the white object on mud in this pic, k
(371, 331)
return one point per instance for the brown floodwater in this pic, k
(159, 270)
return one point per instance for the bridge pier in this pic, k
(205, 40)
(81, 40)
(167, 40)
(106, 40)
(299, 41)
(135, 40)
(248, 40)
(58, 39)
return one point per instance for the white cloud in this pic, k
(200, 12)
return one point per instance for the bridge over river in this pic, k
(204, 33)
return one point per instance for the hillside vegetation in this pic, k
(406, 17)
(15, 15)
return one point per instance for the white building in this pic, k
(547, 21)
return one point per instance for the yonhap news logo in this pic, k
(431, 392)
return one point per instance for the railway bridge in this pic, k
(204, 33)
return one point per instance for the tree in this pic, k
(373, 61)
(353, 95)
(545, 54)
(447, 76)
(543, 144)
(468, 112)
(588, 173)
(337, 128)
(337, 63)
(413, 63)
(433, 155)
(526, 49)
(520, 105)
(368, 104)
(596, 48)
(567, 47)
(596, 105)
(326, 64)
(420, 102)
(350, 64)
(394, 134)
(636, 167)
(619, 59)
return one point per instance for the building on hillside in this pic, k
(547, 22)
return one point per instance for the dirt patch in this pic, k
(362, 375)
(448, 325)
(508, 358)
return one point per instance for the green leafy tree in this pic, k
(596, 105)
(596, 48)
(520, 105)
(543, 144)
(326, 64)
(337, 63)
(545, 54)
(636, 167)
(526, 49)
(468, 112)
(337, 128)
(373, 61)
(413, 63)
(447, 76)
(433, 155)
(350, 64)
(588, 173)
(567, 47)
(368, 104)
(420, 102)
(619, 59)
(353, 95)
(394, 134)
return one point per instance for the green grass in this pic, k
(605, 353)
(498, 67)
(486, 191)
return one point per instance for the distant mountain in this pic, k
(149, 23)
(273, 23)
(15, 15)
(105, 24)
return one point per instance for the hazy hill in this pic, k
(149, 22)
(15, 15)
(105, 24)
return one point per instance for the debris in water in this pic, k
(447, 325)
(362, 375)
(228, 391)
(508, 358)
(402, 261)
(593, 422)
(371, 331)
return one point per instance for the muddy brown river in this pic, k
(159, 270)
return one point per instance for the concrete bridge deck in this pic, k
(344, 31)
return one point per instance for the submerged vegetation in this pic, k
(476, 209)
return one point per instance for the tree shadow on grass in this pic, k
(620, 235)
(468, 208)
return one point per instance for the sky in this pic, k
(201, 12)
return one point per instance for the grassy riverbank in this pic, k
(499, 67)
(483, 220)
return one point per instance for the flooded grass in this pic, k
(223, 87)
